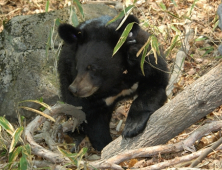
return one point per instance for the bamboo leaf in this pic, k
(215, 25)
(47, 6)
(23, 163)
(208, 51)
(74, 18)
(123, 37)
(173, 44)
(39, 112)
(71, 156)
(124, 19)
(200, 39)
(13, 155)
(143, 58)
(26, 152)
(155, 47)
(37, 101)
(15, 138)
(175, 29)
(192, 6)
(121, 14)
(57, 22)
(162, 5)
(174, 3)
(141, 49)
(6, 125)
(78, 6)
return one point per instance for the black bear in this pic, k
(90, 77)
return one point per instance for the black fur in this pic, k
(86, 67)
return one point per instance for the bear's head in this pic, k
(95, 70)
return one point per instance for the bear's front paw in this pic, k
(133, 128)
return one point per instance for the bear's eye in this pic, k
(89, 67)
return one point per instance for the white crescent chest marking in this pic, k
(125, 92)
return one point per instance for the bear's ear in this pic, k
(130, 19)
(69, 33)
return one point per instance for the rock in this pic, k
(26, 71)
(93, 157)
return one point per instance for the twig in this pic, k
(155, 150)
(179, 61)
(206, 152)
(176, 160)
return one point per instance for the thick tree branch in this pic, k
(195, 102)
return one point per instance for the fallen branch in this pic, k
(192, 104)
(161, 149)
(177, 160)
(206, 152)
(32, 126)
(113, 162)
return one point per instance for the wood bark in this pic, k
(192, 104)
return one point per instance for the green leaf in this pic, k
(143, 58)
(123, 37)
(175, 29)
(26, 152)
(173, 15)
(15, 138)
(218, 57)
(41, 99)
(49, 42)
(14, 154)
(208, 50)
(3, 152)
(192, 6)
(186, 17)
(174, 3)
(215, 25)
(200, 39)
(39, 102)
(78, 6)
(162, 5)
(155, 47)
(71, 156)
(47, 6)
(80, 155)
(141, 49)
(173, 44)
(121, 14)
(26, 149)
(6, 125)
(39, 112)
(23, 163)
(58, 22)
(74, 18)
(74, 157)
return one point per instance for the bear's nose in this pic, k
(73, 89)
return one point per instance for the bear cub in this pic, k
(94, 79)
